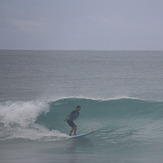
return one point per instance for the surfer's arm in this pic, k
(67, 117)
(75, 117)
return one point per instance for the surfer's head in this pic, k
(78, 108)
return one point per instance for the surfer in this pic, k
(71, 117)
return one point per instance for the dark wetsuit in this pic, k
(71, 118)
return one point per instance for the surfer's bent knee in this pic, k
(75, 126)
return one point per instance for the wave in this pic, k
(42, 120)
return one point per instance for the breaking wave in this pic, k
(44, 121)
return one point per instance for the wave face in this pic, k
(139, 118)
(115, 119)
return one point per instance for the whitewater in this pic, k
(120, 94)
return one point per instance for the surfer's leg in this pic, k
(71, 124)
(71, 131)
(74, 128)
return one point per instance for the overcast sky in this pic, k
(81, 24)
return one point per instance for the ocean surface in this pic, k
(121, 99)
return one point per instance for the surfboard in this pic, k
(81, 135)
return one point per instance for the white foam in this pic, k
(22, 113)
(17, 120)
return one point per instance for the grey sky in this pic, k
(81, 24)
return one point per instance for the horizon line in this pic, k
(84, 49)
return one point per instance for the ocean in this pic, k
(121, 99)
